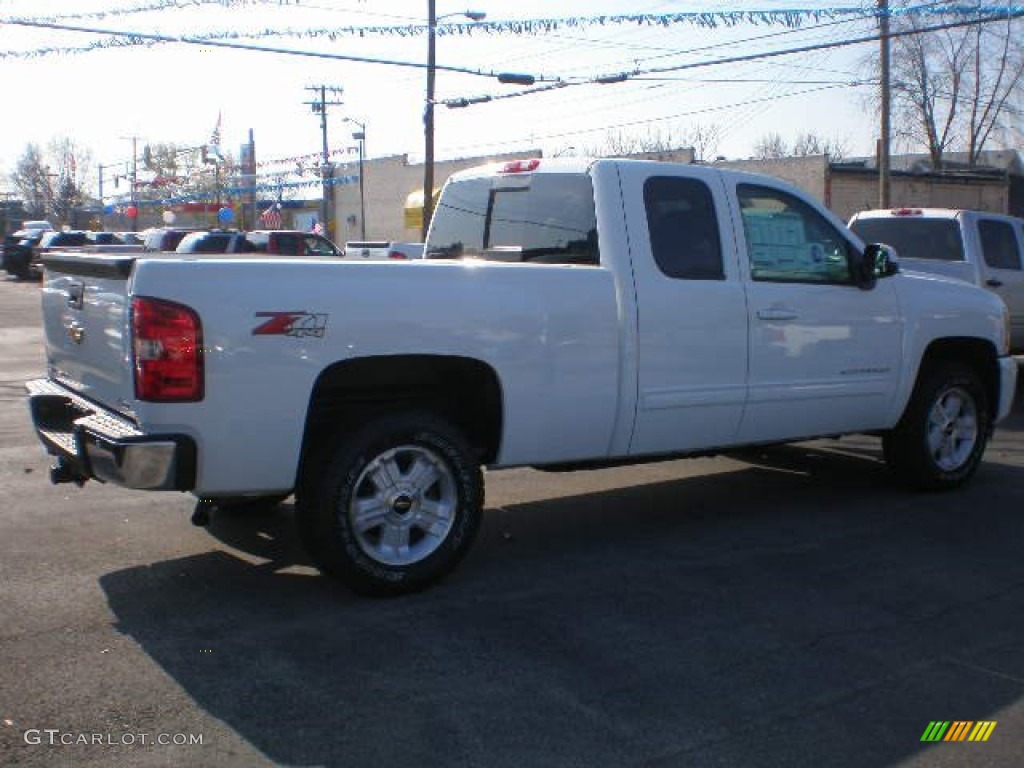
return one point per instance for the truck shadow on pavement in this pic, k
(798, 611)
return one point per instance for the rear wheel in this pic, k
(396, 505)
(941, 438)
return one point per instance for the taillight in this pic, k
(521, 166)
(396, 255)
(167, 341)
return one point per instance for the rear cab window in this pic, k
(914, 238)
(546, 218)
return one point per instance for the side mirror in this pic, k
(883, 257)
(877, 260)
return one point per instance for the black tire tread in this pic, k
(338, 463)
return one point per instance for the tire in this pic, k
(939, 442)
(395, 506)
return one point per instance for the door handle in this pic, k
(994, 283)
(777, 313)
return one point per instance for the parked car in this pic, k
(18, 247)
(164, 238)
(54, 241)
(986, 249)
(280, 242)
(379, 250)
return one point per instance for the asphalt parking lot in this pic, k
(786, 607)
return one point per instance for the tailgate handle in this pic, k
(992, 282)
(76, 292)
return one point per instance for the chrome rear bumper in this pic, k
(92, 442)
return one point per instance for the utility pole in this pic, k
(428, 122)
(103, 223)
(135, 179)
(884, 149)
(319, 106)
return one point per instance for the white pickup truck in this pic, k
(568, 314)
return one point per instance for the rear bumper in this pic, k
(1007, 386)
(91, 442)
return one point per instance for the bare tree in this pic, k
(953, 89)
(624, 144)
(32, 183)
(811, 144)
(52, 184)
(771, 146)
(70, 166)
(992, 89)
(705, 139)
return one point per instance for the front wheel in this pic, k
(396, 505)
(939, 442)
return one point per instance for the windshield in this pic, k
(544, 217)
(935, 239)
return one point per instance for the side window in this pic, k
(683, 227)
(999, 244)
(789, 241)
(290, 245)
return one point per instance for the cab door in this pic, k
(691, 338)
(824, 354)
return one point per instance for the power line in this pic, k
(613, 78)
(188, 40)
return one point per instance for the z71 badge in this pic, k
(296, 324)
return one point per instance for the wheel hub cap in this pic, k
(952, 429)
(403, 506)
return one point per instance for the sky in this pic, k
(174, 92)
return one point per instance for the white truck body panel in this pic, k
(554, 340)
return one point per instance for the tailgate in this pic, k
(85, 321)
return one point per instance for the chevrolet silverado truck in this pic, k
(567, 314)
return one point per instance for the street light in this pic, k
(428, 114)
(360, 136)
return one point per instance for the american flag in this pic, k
(215, 136)
(271, 217)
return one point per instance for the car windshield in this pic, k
(543, 217)
(917, 238)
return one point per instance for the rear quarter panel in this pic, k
(550, 332)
